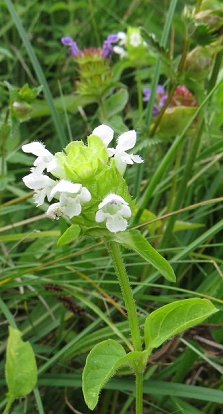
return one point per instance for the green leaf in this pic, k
(70, 235)
(70, 103)
(174, 318)
(21, 369)
(134, 240)
(154, 42)
(101, 365)
(117, 123)
(116, 103)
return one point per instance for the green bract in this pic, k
(82, 162)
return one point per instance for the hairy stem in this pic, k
(139, 393)
(123, 279)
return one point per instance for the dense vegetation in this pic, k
(66, 298)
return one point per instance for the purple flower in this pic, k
(160, 90)
(161, 98)
(147, 95)
(107, 48)
(73, 48)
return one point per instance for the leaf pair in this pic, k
(108, 356)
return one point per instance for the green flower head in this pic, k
(82, 162)
(85, 181)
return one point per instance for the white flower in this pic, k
(71, 197)
(42, 185)
(105, 133)
(114, 210)
(126, 141)
(44, 157)
(44, 160)
(120, 51)
(54, 211)
(56, 169)
(135, 39)
(122, 38)
(122, 42)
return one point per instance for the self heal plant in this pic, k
(84, 183)
(93, 65)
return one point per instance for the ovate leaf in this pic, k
(102, 363)
(100, 367)
(134, 240)
(70, 235)
(21, 369)
(174, 318)
(116, 103)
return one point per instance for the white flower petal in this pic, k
(136, 158)
(65, 186)
(100, 216)
(105, 133)
(42, 162)
(120, 164)
(122, 38)
(54, 211)
(36, 148)
(126, 141)
(39, 197)
(85, 195)
(125, 158)
(36, 181)
(72, 208)
(55, 168)
(111, 152)
(120, 51)
(116, 223)
(125, 211)
(112, 198)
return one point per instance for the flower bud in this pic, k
(21, 110)
(94, 71)
(211, 19)
(211, 14)
(198, 62)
